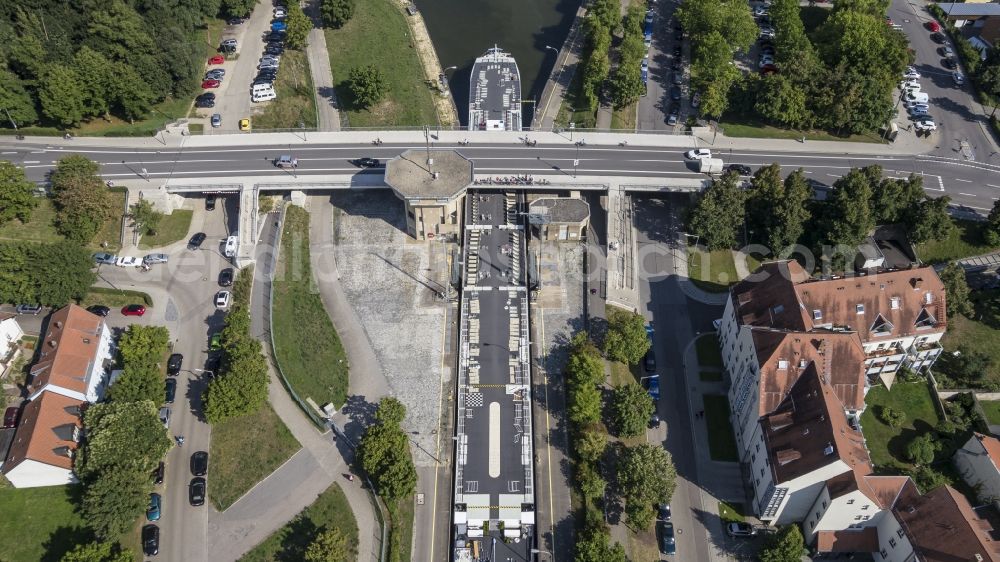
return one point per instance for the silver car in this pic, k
(154, 258)
(105, 258)
(216, 119)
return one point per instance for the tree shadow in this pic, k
(360, 413)
(63, 539)
(301, 531)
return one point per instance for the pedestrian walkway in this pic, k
(622, 286)
(567, 62)
(327, 116)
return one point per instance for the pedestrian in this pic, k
(180, 440)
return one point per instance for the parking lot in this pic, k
(665, 69)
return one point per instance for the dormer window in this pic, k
(925, 319)
(881, 327)
(928, 297)
(782, 364)
(860, 308)
(778, 309)
(817, 314)
(894, 303)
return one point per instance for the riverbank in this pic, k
(445, 106)
(567, 61)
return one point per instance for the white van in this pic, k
(918, 97)
(263, 96)
(232, 243)
(258, 88)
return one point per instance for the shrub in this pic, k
(890, 417)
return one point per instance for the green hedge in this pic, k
(146, 299)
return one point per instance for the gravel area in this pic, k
(392, 283)
(561, 298)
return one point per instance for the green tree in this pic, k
(137, 384)
(239, 8)
(590, 446)
(992, 230)
(777, 210)
(891, 416)
(336, 13)
(931, 220)
(82, 200)
(849, 218)
(60, 272)
(584, 365)
(99, 76)
(589, 480)
(329, 546)
(390, 411)
(385, 453)
(125, 437)
(646, 476)
(957, 290)
(367, 85)
(607, 13)
(921, 449)
(626, 339)
(144, 217)
(785, 546)
(594, 545)
(143, 346)
(16, 199)
(894, 200)
(627, 86)
(632, 408)
(17, 100)
(782, 101)
(597, 65)
(102, 551)
(584, 404)
(299, 26)
(718, 214)
(62, 96)
(112, 500)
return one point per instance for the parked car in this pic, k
(133, 310)
(128, 261)
(150, 259)
(654, 421)
(925, 125)
(698, 154)
(174, 363)
(196, 492)
(937, 37)
(158, 474)
(32, 309)
(150, 540)
(911, 72)
(950, 64)
(216, 120)
(280, 13)
(740, 169)
(366, 162)
(228, 44)
(153, 511)
(653, 387)
(740, 530)
(170, 390)
(278, 26)
(222, 299)
(946, 51)
(195, 242)
(933, 26)
(102, 258)
(210, 202)
(10, 417)
(958, 78)
(226, 277)
(696, 100)
(675, 93)
(210, 84)
(217, 59)
(235, 21)
(215, 342)
(673, 116)
(205, 103)
(663, 511)
(199, 463)
(215, 74)
(99, 309)
(668, 544)
(165, 417)
(244, 124)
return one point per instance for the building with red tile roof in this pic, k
(46, 437)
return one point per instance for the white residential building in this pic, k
(74, 357)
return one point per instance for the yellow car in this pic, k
(244, 124)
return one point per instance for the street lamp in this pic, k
(211, 374)
(545, 552)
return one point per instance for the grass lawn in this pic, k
(378, 35)
(41, 226)
(39, 523)
(172, 227)
(625, 118)
(992, 410)
(966, 240)
(710, 376)
(288, 544)
(721, 442)
(887, 445)
(975, 334)
(296, 103)
(166, 111)
(246, 450)
(751, 127)
(115, 298)
(707, 347)
(712, 271)
(401, 533)
(305, 340)
(572, 110)
(731, 512)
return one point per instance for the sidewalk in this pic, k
(567, 60)
(327, 116)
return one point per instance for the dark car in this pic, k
(949, 63)
(170, 386)
(32, 309)
(274, 49)
(196, 492)
(174, 364)
(10, 416)
(195, 242)
(226, 277)
(212, 365)
(668, 545)
(740, 530)
(235, 21)
(215, 74)
(159, 473)
(740, 169)
(677, 51)
(262, 81)
(154, 509)
(206, 96)
(654, 421)
(937, 37)
(209, 202)
(150, 540)
(367, 162)
(209, 103)
(675, 93)
(199, 463)
(663, 511)
(99, 309)
(268, 75)
(649, 362)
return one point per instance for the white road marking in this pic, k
(966, 181)
(968, 194)
(993, 186)
(494, 455)
(8, 152)
(31, 161)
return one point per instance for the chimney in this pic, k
(52, 343)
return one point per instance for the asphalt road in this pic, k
(970, 184)
(655, 105)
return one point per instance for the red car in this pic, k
(134, 310)
(933, 26)
(210, 84)
(217, 59)
(10, 416)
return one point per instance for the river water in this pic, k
(463, 29)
